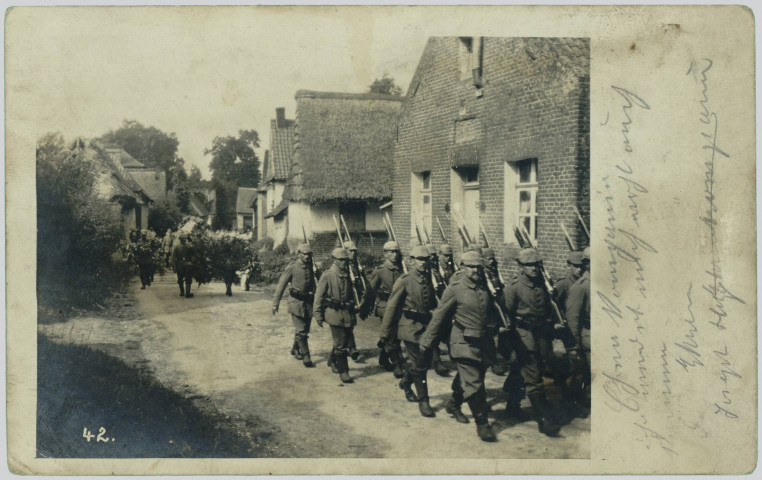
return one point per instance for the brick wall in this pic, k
(534, 104)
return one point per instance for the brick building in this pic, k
(497, 130)
(342, 165)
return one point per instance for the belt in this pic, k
(382, 295)
(417, 316)
(299, 295)
(337, 305)
(472, 332)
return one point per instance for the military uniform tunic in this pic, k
(301, 295)
(578, 311)
(528, 305)
(470, 309)
(381, 283)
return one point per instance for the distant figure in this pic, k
(167, 244)
(182, 256)
(381, 283)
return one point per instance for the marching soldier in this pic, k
(468, 305)
(335, 304)
(360, 287)
(182, 257)
(167, 246)
(446, 263)
(503, 344)
(528, 305)
(301, 296)
(144, 258)
(409, 309)
(574, 270)
(578, 316)
(439, 286)
(380, 284)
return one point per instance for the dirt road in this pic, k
(231, 353)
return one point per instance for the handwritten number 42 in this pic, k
(100, 438)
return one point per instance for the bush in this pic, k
(264, 245)
(80, 238)
(164, 215)
(270, 267)
(283, 249)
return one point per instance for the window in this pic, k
(521, 197)
(469, 59)
(422, 202)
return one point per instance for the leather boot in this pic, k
(182, 290)
(453, 408)
(228, 291)
(514, 412)
(343, 366)
(304, 352)
(423, 398)
(383, 358)
(405, 386)
(332, 362)
(439, 367)
(399, 371)
(478, 405)
(540, 408)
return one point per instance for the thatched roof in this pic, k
(343, 146)
(245, 199)
(124, 158)
(281, 150)
(112, 181)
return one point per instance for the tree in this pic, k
(234, 160)
(234, 164)
(385, 85)
(148, 145)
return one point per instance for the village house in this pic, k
(199, 208)
(244, 209)
(496, 130)
(114, 184)
(152, 180)
(341, 165)
(277, 163)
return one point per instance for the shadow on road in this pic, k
(80, 388)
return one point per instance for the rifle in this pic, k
(441, 232)
(462, 229)
(546, 278)
(390, 230)
(357, 260)
(581, 221)
(486, 242)
(434, 282)
(462, 222)
(351, 274)
(568, 238)
(314, 268)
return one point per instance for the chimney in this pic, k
(280, 117)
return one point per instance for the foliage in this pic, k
(385, 85)
(234, 160)
(264, 244)
(148, 145)
(270, 266)
(164, 215)
(79, 235)
(282, 249)
(224, 215)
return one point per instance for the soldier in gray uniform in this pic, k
(574, 270)
(409, 309)
(301, 276)
(446, 263)
(528, 306)
(578, 316)
(380, 286)
(468, 305)
(182, 258)
(335, 304)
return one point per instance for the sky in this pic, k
(198, 72)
